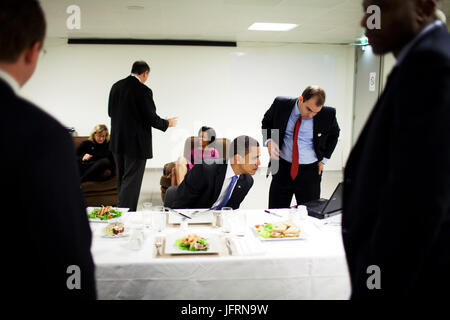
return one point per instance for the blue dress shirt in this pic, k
(306, 153)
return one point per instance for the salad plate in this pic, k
(115, 230)
(278, 231)
(109, 214)
(172, 247)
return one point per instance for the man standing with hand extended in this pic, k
(300, 135)
(133, 115)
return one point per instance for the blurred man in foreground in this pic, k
(47, 250)
(396, 216)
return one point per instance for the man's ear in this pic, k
(31, 54)
(425, 9)
(237, 159)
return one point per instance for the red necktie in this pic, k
(294, 165)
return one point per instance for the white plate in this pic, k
(301, 237)
(198, 218)
(116, 236)
(172, 248)
(90, 209)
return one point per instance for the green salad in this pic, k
(104, 213)
(193, 243)
(264, 230)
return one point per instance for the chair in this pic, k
(222, 145)
(170, 196)
(98, 193)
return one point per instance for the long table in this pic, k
(313, 268)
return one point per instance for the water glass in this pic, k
(241, 222)
(147, 213)
(227, 216)
(136, 239)
(158, 218)
(303, 212)
(184, 224)
(296, 215)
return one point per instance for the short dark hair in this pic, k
(210, 132)
(22, 24)
(139, 67)
(241, 146)
(314, 91)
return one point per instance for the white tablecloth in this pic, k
(314, 268)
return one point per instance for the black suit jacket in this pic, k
(325, 132)
(397, 180)
(202, 185)
(45, 225)
(133, 114)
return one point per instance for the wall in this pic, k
(226, 88)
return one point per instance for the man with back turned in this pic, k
(133, 115)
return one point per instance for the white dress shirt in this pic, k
(226, 183)
(10, 81)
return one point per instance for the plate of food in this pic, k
(284, 230)
(115, 230)
(191, 244)
(105, 214)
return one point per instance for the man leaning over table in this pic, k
(307, 136)
(219, 185)
(46, 254)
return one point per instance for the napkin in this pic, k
(248, 246)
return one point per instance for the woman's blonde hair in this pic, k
(99, 129)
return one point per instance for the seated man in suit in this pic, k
(221, 185)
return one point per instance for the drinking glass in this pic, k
(227, 216)
(298, 214)
(303, 212)
(147, 214)
(158, 218)
(240, 222)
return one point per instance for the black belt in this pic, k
(285, 162)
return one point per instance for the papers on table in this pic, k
(197, 218)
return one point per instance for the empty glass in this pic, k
(296, 215)
(147, 214)
(240, 222)
(227, 216)
(158, 218)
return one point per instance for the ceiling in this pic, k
(320, 21)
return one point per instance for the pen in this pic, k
(267, 211)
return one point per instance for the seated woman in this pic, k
(198, 155)
(95, 161)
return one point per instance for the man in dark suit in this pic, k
(46, 252)
(133, 114)
(219, 185)
(301, 135)
(396, 211)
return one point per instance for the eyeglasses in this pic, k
(42, 53)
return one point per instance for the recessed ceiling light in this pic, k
(135, 7)
(263, 26)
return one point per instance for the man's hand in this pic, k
(172, 121)
(87, 157)
(274, 150)
(320, 167)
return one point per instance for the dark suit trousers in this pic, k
(131, 173)
(306, 185)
